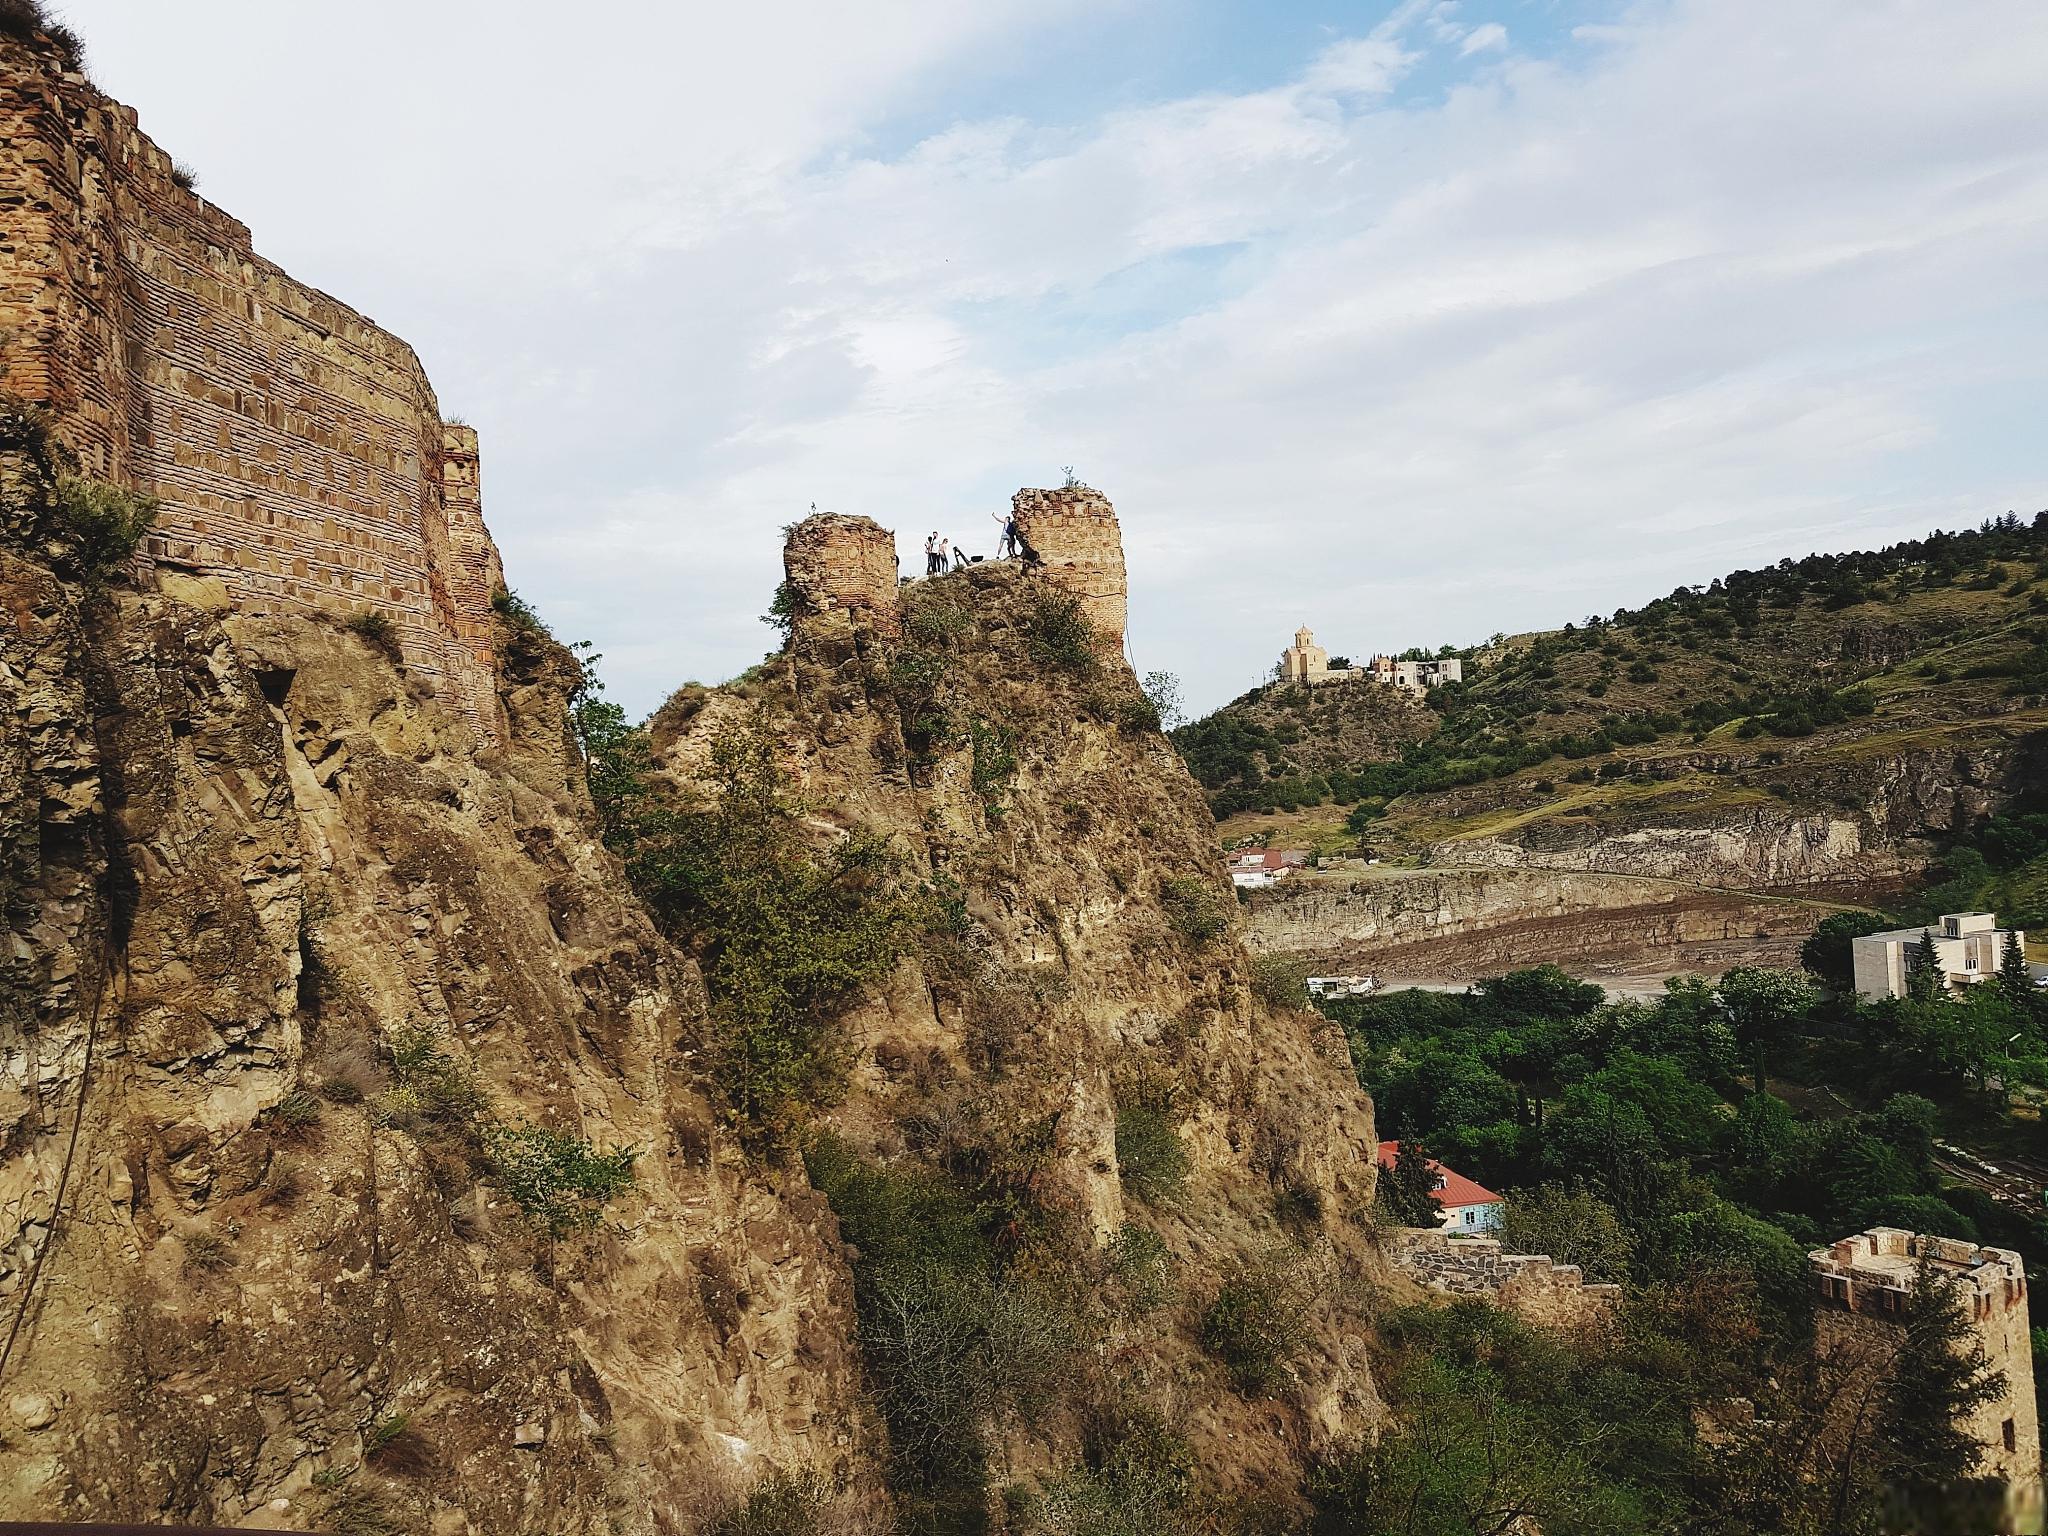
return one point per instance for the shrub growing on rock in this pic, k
(1192, 909)
(561, 1182)
(1151, 1159)
(1258, 1325)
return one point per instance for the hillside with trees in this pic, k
(1803, 686)
(1695, 1148)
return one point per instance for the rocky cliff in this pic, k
(1095, 970)
(255, 873)
(1448, 923)
(367, 1162)
(261, 1276)
(364, 1168)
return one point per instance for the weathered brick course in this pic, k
(298, 448)
(1074, 530)
(844, 567)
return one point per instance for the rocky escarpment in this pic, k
(1887, 808)
(265, 1273)
(242, 1278)
(1697, 871)
(1096, 968)
(1464, 924)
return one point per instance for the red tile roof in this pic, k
(1267, 858)
(1454, 1190)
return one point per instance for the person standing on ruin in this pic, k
(931, 553)
(1006, 547)
(945, 557)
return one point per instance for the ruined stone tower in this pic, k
(297, 447)
(1864, 1282)
(843, 569)
(1075, 532)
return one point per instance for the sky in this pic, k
(1413, 322)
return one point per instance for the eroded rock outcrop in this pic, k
(264, 856)
(1452, 923)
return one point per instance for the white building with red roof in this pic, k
(1466, 1206)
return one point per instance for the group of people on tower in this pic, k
(942, 554)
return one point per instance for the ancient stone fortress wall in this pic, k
(1864, 1282)
(844, 568)
(1530, 1285)
(297, 448)
(1075, 532)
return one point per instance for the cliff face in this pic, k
(251, 859)
(1098, 965)
(1466, 924)
(245, 857)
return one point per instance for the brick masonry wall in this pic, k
(1529, 1285)
(1074, 530)
(844, 567)
(298, 448)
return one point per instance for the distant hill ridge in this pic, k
(1787, 684)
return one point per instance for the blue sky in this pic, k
(1414, 322)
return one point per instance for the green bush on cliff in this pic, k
(1193, 909)
(103, 523)
(781, 1504)
(995, 762)
(1151, 1159)
(954, 1342)
(95, 526)
(1057, 632)
(1258, 1324)
(787, 933)
(561, 1182)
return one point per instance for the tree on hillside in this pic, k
(1162, 689)
(1762, 1003)
(1409, 1187)
(1541, 992)
(1572, 1225)
(2016, 981)
(1826, 953)
(1924, 981)
(1927, 1462)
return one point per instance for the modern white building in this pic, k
(1417, 676)
(1968, 947)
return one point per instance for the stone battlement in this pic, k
(297, 448)
(843, 568)
(1874, 1270)
(1530, 1285)
(1075, 532)
(1865, 1283)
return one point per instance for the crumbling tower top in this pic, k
(1074, 530)
(843, 569)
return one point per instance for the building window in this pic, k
(2011, 1440)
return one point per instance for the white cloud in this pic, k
(1359, 66)
(1725, 280)
(1483, 38)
